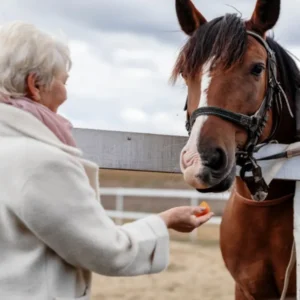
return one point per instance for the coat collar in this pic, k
(18, 122)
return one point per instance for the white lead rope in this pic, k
(289, 271)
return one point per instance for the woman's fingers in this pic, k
(197, 210)
(203, 219)
(185, 218)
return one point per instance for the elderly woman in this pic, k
(54, 231)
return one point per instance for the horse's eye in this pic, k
(257, 69)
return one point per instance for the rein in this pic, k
(254, 125)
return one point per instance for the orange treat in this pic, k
(204, 212)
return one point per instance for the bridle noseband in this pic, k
(253, 124)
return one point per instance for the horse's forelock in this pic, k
(223, 39)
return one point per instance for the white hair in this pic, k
(24, 49)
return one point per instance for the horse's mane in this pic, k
(224, 40)
(287, 68)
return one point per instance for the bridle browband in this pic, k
(253, 124)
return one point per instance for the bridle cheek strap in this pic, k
(253, 124)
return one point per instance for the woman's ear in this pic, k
(33, 91)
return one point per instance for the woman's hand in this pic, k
(184, 219)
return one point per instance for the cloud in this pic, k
(152, 18)
(133, 115)
(123, 53)
(122, 97)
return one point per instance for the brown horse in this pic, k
(242, 91)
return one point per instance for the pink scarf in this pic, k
(60, 126)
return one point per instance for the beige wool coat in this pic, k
(53, 230)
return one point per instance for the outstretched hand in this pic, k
(184, 219)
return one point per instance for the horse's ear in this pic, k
(265, 16)
(188, 16)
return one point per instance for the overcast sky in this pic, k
(123, 53)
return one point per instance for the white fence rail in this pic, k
(120, 193)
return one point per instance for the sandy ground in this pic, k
(196, 271)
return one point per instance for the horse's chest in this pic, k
(256, 245)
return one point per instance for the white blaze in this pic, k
(205, 83)
(189, 155)
(204, 86)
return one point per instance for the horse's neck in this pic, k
(277, 188)
(285, 135)
(287, 130)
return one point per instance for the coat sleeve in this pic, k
(59, 206)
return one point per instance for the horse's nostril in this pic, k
(215, 159)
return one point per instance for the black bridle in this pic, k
(253, 124)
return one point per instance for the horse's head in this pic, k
(225, 66)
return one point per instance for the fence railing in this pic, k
(160, 153)
(119, 214)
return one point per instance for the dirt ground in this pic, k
(196, 271)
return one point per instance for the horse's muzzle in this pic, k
(215, 184)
